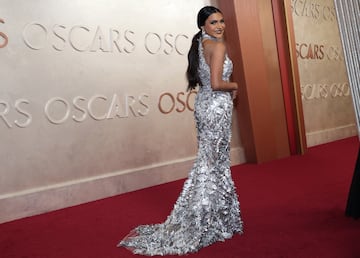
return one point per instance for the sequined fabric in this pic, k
(207, 209)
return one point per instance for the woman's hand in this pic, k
(234, 94)
(234, 97)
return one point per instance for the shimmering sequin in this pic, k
(207, 209)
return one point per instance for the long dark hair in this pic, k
(192, 74)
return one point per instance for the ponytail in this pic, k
(192, 73)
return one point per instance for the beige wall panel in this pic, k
(93, 100)
(349, 21)
(327, 102)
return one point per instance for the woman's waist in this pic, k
(213, 96)
(207, 90)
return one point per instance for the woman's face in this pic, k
(215, 25)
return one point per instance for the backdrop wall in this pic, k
(93, 100)
(326, 94)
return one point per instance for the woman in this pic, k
(207, 209)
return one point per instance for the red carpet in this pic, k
(292, 207)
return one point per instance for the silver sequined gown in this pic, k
(207, 209)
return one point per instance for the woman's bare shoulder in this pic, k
(214, 46)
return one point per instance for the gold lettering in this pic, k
(4, 36)
(162, 110)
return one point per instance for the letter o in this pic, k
(307, 92)
(147, 43)
(48, 105)
(333, 53)
(160, 103)
(27, 42)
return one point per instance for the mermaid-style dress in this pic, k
(207, 209)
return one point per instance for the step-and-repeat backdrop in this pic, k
(93, 100)
(327, 102)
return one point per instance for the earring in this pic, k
(203, 32)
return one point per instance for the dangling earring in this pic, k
(203, 33)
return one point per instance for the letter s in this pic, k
(23, 112)
(3, 35)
